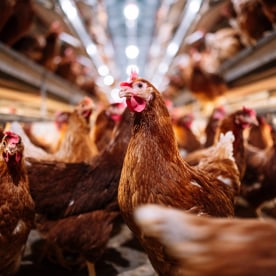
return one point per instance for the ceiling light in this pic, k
(69, 9)
(108, 80)
(163, 67)
(172, 49)
(69, 39)
(132, 51)
(131, 11)
(195, 5)
(103, 70)
(91, 49)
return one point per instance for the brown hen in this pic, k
(269, 9)
(262, 165)
(16, 204)
(6, 10)
(250, 20)
(76, 203)
(260, 135)
(52, 47)
(104, 124)
(216, 116)
(211, 246)
(76, 144)
(236, 122)
(185, 137)
(154, 171)
(19, 22)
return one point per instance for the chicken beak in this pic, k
(12, 151)
(125, 92)
(253, 121)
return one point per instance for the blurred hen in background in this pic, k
(16, 204)
(211, 246)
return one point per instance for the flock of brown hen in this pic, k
(208, 211)
(242, 24)
(22, 29)
(76, 197)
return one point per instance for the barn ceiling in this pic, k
(119, 34)
(113, 36)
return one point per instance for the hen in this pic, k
(76, 145)
(250, 20)
(211, 246)
(185, 137)
(68, 66)
(77, 202)
(236, 122)
(16, 204)
(262, 163)
(205, 81)
(216, 116)
(104, 124)
(31, 45)
(52, 47)
(6, 9)
(154, 171)
(223, 44)
(259, 135)
(19, 22)
(269, 9)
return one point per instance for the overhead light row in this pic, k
(70, 10)
(131, 13)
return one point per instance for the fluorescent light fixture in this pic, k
(132, 51)
(132, 67)
(91, 49)
(69, 9)
(103, 70)
(163, 68)
(108, 80)
(131, 11)
(70, 39)
(172, 49)
(195, 5)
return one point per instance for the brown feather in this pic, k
(154, 172)
(211, 246)
(16, 207)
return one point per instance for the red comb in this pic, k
(249, 111)
(125, 83)
(13, 136)
(221, 108)
(133, 76)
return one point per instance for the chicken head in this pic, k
(12, 147)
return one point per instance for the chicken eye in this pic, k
(139, 85)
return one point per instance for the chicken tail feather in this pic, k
(224, 146)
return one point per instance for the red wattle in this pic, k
(136, 104)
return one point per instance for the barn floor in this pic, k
(123, 257)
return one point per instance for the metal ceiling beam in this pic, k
(23, 69)
(250, 59)
(71, 13)
(191, 10)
